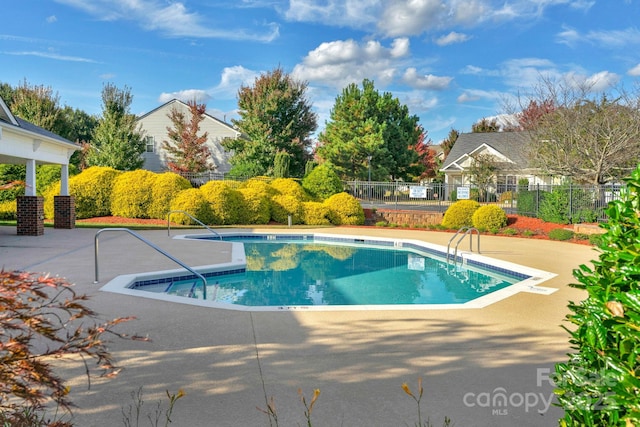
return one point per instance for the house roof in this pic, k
(7, 118)
(177, 101)
(512, 145)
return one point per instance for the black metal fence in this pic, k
(557, 203)
(560, 203)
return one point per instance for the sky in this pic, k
(452, 62)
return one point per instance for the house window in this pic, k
(151, 144)
(506, 183)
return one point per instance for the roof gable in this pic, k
(509, 147)
(176, 102)
(5, 113)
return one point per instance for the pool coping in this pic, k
(121, 284)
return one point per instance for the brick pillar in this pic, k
(64, 208)
(30, 216)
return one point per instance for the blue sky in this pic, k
(452, 62)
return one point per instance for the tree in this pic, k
(369, 129)
(531, 117)
(427, 164)
(115, 141)
(448, 143)
(482, 172)
(485, 126)
(38, 105)
(187, 150)
(275, 117)
(587, 138)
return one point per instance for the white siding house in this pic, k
(509, 150)
(154, 124)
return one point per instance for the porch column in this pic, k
(64, 207)
(30, 189)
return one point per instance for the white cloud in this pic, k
(347, 13)
(472, 95)
(172, 19)
(610, 39)
(231, 80)
(50, 55)
(199, 95)
(452, 38)
(51, 19)
(339, 63)
(635, 71)
(428, 81)
(598, 82)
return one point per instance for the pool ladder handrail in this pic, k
(193, 218)
(153, 246)
(467, 231)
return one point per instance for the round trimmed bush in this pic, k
(489, 217)
(290, 187)
(256, 204)
(227, 203)
(315, 213)
(91, 189)
(193, 202)
(165, 187)
(460, 214)
(322, 182)
(560, 234)
(284, 205)
(131, 196)
(8, 210)
(260, 185)
(345, 209)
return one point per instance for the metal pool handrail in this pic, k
(469, 231)
(139, 237)
(193, 218)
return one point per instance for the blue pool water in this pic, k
(305, 272)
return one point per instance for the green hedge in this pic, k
(322, 182)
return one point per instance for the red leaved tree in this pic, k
(187, 150)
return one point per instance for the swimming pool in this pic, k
(337, 272)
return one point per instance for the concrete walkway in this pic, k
(227, 361)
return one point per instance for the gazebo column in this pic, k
(30, 207)
(64, 206)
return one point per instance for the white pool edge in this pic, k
(121, 283)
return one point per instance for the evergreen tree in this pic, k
(115, 141)
(369, 129)
(187, 150)
(274, 117)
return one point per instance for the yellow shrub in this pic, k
(260, 185)
(165, 187)
(226, 203)
(345, 209)
(284, 205)
(131, 196)
(256, 206)
(290, 187)
(489, 217)
(460, 214)
(315, 213)
(193, 202)
(8, 210)
(91, 190)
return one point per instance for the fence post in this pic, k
(537, 200)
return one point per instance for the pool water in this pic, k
(301, 273)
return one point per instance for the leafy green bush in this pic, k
(489, 217)
(8, 210)
(193, 202)
(91, 190)
(227, 203)
(566, 205)
(460, 214)
(599, 385)
(345, 209)
(257, 206)
(560, 234)
(284, 205)
(315, 213)
(322, 182)
(528, 202)
(165, 187)
(131, 196)
(290, 187)
(595, 239)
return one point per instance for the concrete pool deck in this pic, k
(226, 361)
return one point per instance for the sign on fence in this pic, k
(462, 193)
(418, 192)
